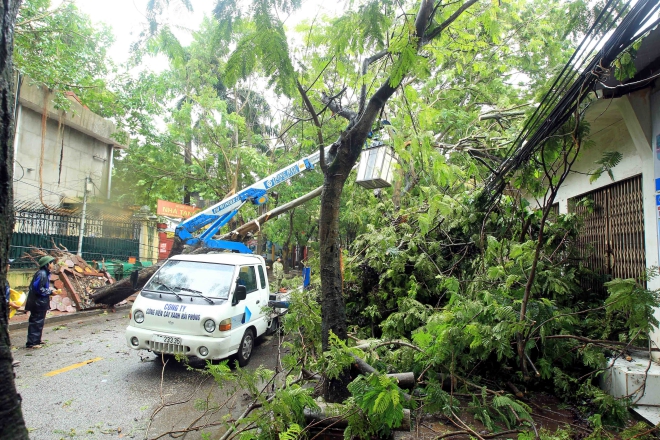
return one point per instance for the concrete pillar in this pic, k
(655, 149)
(148, 247)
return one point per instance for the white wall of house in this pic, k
(626, 125)
(81, 147)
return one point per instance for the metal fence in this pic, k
(106, 237)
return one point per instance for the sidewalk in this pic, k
(20, 320)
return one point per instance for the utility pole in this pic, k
(82, 218)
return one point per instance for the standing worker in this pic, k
(278, 273)
(38, 301)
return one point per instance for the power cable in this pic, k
(561, 101)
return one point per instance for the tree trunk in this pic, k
(119, 291)
(240, 233)
(12, 425)
(332, 306)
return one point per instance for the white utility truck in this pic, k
(209, 306)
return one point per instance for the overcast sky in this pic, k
(127, 19)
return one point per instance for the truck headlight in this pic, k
(138, 316)
(209, 325)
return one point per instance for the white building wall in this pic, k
(76, 156)
(88, 141)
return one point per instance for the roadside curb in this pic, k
(69, 317)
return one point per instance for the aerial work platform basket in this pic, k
(376, 166)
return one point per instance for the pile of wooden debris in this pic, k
(75, 279)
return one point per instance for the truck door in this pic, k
(249, 310)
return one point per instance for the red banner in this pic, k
(177, 210)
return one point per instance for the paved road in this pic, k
(115, 391)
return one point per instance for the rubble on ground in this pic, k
(75, 278)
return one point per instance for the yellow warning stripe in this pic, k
(72, 367)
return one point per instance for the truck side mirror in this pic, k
(134, 279)
(240, 293)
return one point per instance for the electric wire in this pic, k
(560, 103)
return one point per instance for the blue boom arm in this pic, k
(222, 212)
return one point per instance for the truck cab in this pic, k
(210, 306)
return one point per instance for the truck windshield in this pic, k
(210, 279)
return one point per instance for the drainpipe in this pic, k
(112, 156)
(18, 116)
(82, 218)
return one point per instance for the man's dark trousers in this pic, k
(36, 327)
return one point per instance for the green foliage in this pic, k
(609, 160)
(380, 400)
(292, 433)
(640, 430)
(337, 358)
(303, 324)
(263, 45)
(57, 47)
(629, 301)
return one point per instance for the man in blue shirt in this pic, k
(38, 301)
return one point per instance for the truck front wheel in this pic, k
(245, 349)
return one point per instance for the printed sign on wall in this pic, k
(176, 210)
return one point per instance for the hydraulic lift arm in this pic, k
(222, 212)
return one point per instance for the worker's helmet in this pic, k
(45, 260)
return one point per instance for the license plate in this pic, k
(166, 339)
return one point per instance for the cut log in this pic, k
(241, 232)
(365, 368)
(115, 293)
(405, 380)
(333, 414)
(70, 309)
(58, 283)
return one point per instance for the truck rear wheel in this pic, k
(245, 349)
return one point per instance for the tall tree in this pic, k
(12, 425)
(264, 48)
